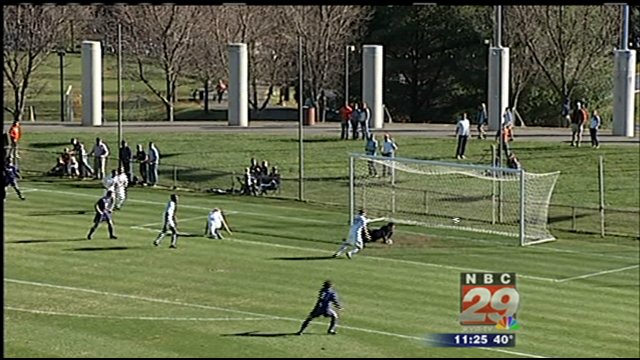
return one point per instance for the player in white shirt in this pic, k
(463, 132)
(215, 221)
(358, 229)
(170, 222)
(109, 182)
(120, 184)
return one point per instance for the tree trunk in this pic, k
(206, 95)
(169, 103)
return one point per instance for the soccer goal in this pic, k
(476, 198)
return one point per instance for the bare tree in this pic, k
(30, 34)
(325, 30)
(162, 34)
(260, 27)
(565, 42)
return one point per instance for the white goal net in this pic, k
(477, 198)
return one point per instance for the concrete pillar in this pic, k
(372, 83)
(91, 83)
(624, 92)
(498, 92)
(238, 85)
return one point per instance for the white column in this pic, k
(238, 85)
(498, 91)
(372, 83)
(623, 92)
(91, 83)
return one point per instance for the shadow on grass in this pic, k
(257, 334)
(304, 258)
(42, 241)
(58, 212)
(560, 218)
(45, 145)
(105, 248)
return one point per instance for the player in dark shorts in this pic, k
(104, 208)
(326, 297)
(11, 175)
(384, 233)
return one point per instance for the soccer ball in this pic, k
(456, 220)
(389, 242)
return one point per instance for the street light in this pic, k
(348, 49)
(61, 53)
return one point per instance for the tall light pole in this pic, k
(300, 120)
(119, 84)
(347, 50)
(61, 53)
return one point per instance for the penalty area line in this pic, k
(253, 314)
(604, 272)
(152, 318)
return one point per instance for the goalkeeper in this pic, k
(384, 233)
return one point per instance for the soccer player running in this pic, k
(326, 296)
(104, 208)
(169, 222)
(356, 233)
(11, 175)
(215, 221)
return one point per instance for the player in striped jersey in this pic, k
(170, 222)
(104, 208)
(326, 296)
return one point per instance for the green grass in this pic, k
(205, 160)
(69, 297)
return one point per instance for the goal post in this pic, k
(465, 197)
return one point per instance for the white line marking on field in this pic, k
(28, 190)
(181, 220)
(597, 273)
(163, 301)
(155, 318)
(290, 218)
(330, 222)
(368, 257)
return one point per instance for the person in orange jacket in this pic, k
(15, 133)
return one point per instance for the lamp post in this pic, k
(347, 50)
(61, 53)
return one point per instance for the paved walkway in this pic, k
(287, 127)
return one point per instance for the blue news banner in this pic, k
(472, 340)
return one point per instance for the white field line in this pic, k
(597, 273)
(253, 314)
(180, 220)
(330, 222)
(154, 318)
(235, 239)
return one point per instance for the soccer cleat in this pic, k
(23, 198)
(464, 157)
(331, 332)
(349, 255)
(113, 237)
(299, 333)
(172, 246)
(336, 255)
(155, 243)
(89, 237)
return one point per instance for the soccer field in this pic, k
(246, 295)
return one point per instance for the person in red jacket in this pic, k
(578, 119)
(345, 118)
(15, 133)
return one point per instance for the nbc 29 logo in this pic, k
(489, 299)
